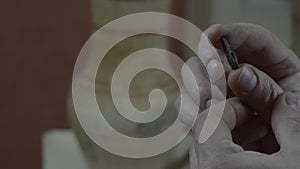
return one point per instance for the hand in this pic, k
(220, 152)
(276, 69)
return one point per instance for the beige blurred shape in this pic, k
(105, 11)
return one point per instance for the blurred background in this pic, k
(39, 43)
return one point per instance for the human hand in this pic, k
(221, 152)
(276, 70)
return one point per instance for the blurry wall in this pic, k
(39, 42)
(275, 15)
(296, 31)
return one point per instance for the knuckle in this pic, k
(294, 123)
(269, 91)
(191, 61)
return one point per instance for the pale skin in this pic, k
(260, 127)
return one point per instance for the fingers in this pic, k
(195, 66)
(291, 83)
(286, 121)
(219, 142)
(255, 88)
(208, 93)
(257, 46)
(188, 115)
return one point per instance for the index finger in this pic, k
(257, 46)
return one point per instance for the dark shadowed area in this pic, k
(39, 42)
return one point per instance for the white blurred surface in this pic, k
(62, 151)
(275, 15)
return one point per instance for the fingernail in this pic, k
(214, 69)
(292, 101)
(247, 80)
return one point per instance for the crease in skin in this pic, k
(270, 93)
(247, 80)
(281, 68)
(295, 123)
(291, 83)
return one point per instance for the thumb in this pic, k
(286, 121)
(255, 88)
